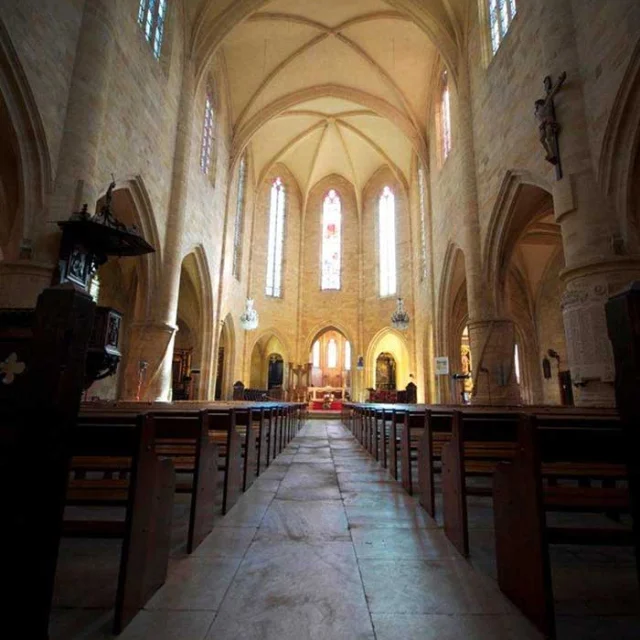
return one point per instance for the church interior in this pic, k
(329, 213)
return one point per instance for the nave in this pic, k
(325, 546)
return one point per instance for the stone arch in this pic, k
(207, 354)
(132, 206)
(26, 134)
(392, 341)
(226, 341)
(452, 282)
(507, 223)
(619, 168)
(323, 327)
(259, 352)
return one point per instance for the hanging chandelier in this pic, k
(400, 318)
(249, 317)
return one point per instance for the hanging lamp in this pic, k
(400, 318)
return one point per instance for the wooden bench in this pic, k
(125, 443)
(549, 448)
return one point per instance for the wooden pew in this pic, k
(547, 447)
(146, 495)
(478, 442)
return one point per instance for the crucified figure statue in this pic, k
(547, 124)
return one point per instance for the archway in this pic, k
(25, 185)
(525, 261)
(453, 335)
(188, 344)
(393, 346)
(225, 360)
(262, 373)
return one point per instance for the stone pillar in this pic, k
(21, 282)
(152, 338)
(77, 181)
(492, 340)
(596, 264)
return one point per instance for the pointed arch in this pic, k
(395, 342)
(506, 225)
(34, 160)
(621, 149)
(323, 327)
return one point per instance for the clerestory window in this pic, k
(387, 242)
(501, 13)
(276, 240)
(151, 17)
(331, 241)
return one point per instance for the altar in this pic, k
(327, 398)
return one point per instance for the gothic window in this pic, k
(331, 241)
(423, 224)
(315, 354)
(387, 242)
(332, 354)
(347, 356)
(207, 156)
(239, 223)
(151, 16)
(276, 240)
(445, 118)
(501, 13)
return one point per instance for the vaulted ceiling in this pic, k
(338, 86)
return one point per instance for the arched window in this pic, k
(332, 354)
(387, 242)
(347, 356)
(276, 240)
(423, 224)
(445, 118)
(207, 155)
(151, 16)
(315, 354)
(501, 13)
(237, 232)
(331, 241)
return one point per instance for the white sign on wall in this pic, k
(442, 366)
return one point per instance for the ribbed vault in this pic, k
(332, 87)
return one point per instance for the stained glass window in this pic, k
(237, 232)
(387, 242)
(276, 240)
(516, 362)
(501, 13)
(347, 356)
(332, 354)
(445, 117)
(315, 354)
(331, 241)
(206, 151)
(423, 224)
(151, 17)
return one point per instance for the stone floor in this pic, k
(323, 546)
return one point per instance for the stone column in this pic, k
(596, 264)
(153, 338)
(492, 340)
(77, 181)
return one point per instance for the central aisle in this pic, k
(326, 546)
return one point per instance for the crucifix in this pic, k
(547, 124)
